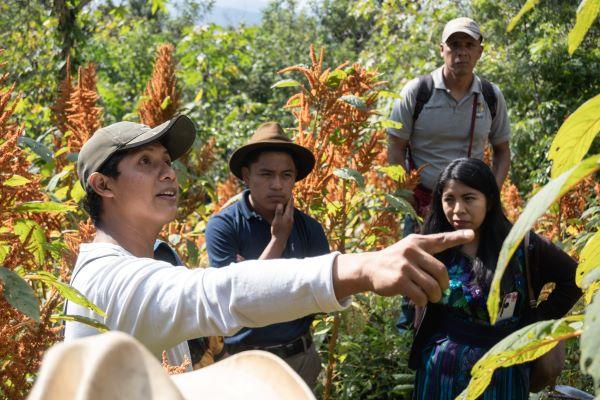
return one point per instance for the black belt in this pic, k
(296, 346)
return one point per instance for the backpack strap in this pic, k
(424, 92)
(532, 299)
(489, 95)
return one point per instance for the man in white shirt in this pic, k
(131, 193)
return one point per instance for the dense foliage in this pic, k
(69, 67)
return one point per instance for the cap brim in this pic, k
(177, 135)
(304, 158)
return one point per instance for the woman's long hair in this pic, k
(492, 232)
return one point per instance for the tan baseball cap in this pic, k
(462, 24)
(177, 135)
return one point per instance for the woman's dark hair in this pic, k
(494, 229)
(92, 202)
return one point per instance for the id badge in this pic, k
(507, 309)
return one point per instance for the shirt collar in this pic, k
(247, 210)
(438, 81)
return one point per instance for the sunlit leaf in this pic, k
(68, 292)
(4, 250)
(395, 172)
(587, 12)
(590, 342)
(575, 136)
(37, 147)
(44, 207)
(16, 180)
(526, 7)
(524, 345)
(79, 318)
(591, 290)
(350, 174)
(165, 103)
(77, 192)
(535, 208)
(388, 123)
(354, 101)
(589, 258)
(31, 233)
(335, 77)
(285, 83)
(387, 93)
(19, 294)
(159, 5)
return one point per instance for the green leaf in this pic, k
(43, 207)
(285, 83)
(165, 103)
(590, 342)
(159, 5)
(16, 180)
(526, 7)
(354, 101)
(55, 179)
(589, 258)
(350, 174)
(524, 345)
(29, 230)
(79, 318)
(400, 205)
(192, 251)
(68, 292)
(535, 208)
(336, 77)
(395, 172)
(388, 123)
(77, 192)
(4, 250)
(387, 93)
(587, 12)
(19, 294)
(575, 136)
(38, 148)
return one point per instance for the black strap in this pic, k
(425, 90)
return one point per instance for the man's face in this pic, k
(146, 189)
(461, 53)
(270, 179)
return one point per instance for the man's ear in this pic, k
(100, 184)
(245, 175)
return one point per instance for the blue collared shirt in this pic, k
(238, 229)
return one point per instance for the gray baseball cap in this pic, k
(177, 135)
(462, 24)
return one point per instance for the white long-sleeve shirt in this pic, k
(164, 305)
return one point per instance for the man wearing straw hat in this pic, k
(264, 224)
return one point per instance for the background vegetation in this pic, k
(72, 66)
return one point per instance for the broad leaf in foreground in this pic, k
(590, 342)
(535, 208)
(589, 259)
(79, 318)
(19, 294)
(524, 345)
(587, 12)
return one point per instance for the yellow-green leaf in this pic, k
(4, 250)
(587, 12)
(165, 103)
(68, 292)
(77, 193)
(285, 83)
(591, 291)
(44, 207)
(396, 172)
(31, 233)
(575, 136)
(526, 7)
(388, 123)
(16, 180)
(535, 208)
(522, 346)
(79, 318)
(589, 258)
(590, 341)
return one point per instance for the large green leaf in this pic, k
(575, 136)
(590, 342)
(37, 147)
(587, 12)
(401, 205)
(350, 174)
(44, 207)
(396, 172)
(79, 318)
(69, 292)
(16, 180)
(4, 250)
(589, 258)
(31, 233)
(19, 294)
(526, 7)
(524, 345)
(535, 208)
